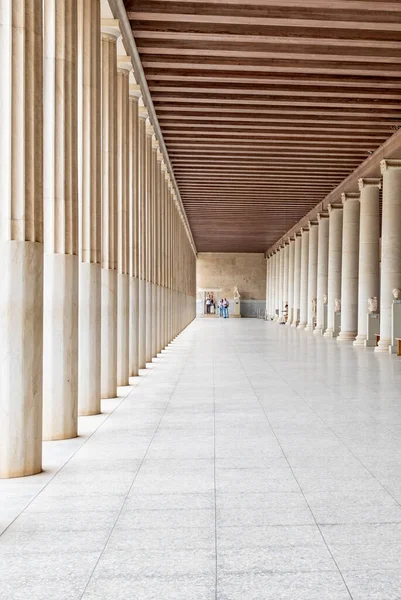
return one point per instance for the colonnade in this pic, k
(97, 259)
(344, 266)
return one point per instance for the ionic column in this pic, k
(21, 238)
(110, 34)
(312, 273)
(322, 270)
(159, 256)
(369, 258)
(124, 67)
(281, 283)
(274, 286)
(349, 271)
(142, 114)
(285, 279)
(60, 169)
(291, 251)
(133, 211)
(390, 277)
(277, 285)
(153, 247)
(303, 317)
(89, 180)
(334, 268)
(297, 279)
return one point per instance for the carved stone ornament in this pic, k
(397, 294)
(314, 306)
(337, 305)
(372, 304)
(237, 295)
(325, 299)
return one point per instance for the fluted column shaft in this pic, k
(390, 277)
(153, 247)
(335, 260)
(21, 238)
(149, 241)
(133, 212)
(350, 264)
(297, 280)
(291, 257)
(89, 181)
(312, 273)
(303, 316)
(322, 270)
(123, 284)
(60, 344)
(142, 113)
(369, 257)
(285, 277)
(281, 283)
(110, 34)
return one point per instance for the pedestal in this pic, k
(237, 309)
(373, 330)
(395, 326)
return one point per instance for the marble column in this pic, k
(21, 238)
(159, 257)
(369, 252)
(335, 260)
(277, 285)
(285, 279)
(133, 212)
(390, 277)
(322, 271)
(153, 247)
(303, 315)
(142, 114)
(149, 240)
(297, 280)
(291, 249)
(60, 170)
(89, 179)
(124, 67)
(109, 37)
(281, 284)
(350, 264)
(312, 274)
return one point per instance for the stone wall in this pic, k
(224, 270)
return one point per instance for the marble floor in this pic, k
(250, 462)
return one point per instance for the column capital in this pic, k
(135, 91)
(336, 206)
(322, 215)
(350, 196)
(304, 229)
(124, 64)
(159, 156)
(389, 163)
(369, 182)
(143, 112)
(149, 128)
(110, 29)
(155, 143)
(296, 235)
(312, 223)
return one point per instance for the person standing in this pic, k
(221, 308)
(208, 302)
(226, 304)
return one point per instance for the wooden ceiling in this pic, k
(267, 105)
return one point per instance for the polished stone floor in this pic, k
(251, 462)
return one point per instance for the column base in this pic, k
(142, 324)
(301, 326)
(122, 329)
(288, 324)
(318, 330)
(133, 327)
(109, 334)
(360, 340)
(329, 333)
(383, 346)
(346, 336)
(309, 328)
(294, 324)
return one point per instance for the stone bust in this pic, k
(237, 295)
(337, 305)
(325, 299)
(372, 304)
(397, 294)
(314, 307)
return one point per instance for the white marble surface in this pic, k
(252, 462)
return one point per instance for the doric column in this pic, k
(369, 249)
(291, 250)
(60, 169)
(322, 271)
(142, 114)
(89, 180)
(124, 67)
(149, 239)
(153, 247)
(159, 256)
(297, 280)
(349, 270)
(391, 247)
(285, 279)
(334, 270)
(275, 285)
(133, 211)
(303, 317)
(110, 34)
(21, 238)
(312, 274)
(281, 283)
